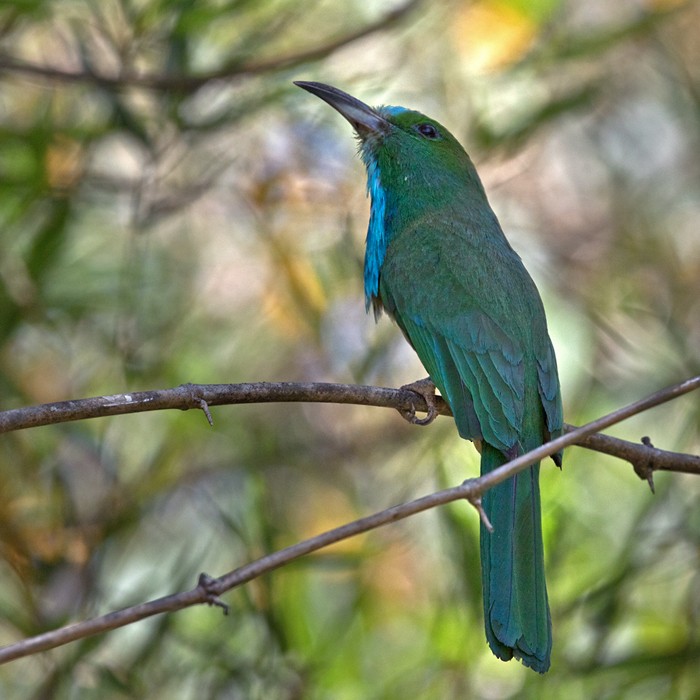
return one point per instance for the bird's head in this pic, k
(411, 141)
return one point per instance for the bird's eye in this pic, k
(428, 130)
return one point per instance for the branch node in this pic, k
(196, 400)
(425, 388)
(643, 467)
(207, 585)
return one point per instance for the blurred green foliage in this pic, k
(172, 210)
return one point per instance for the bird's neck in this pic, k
(403, 192)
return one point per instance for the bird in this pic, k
(438, 263)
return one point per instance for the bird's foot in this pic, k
(426, 389)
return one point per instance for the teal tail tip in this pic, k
(517, 619)
(537, 662)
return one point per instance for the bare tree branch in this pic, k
(643, 457)
(209, 589)
(189, 396)
(189, 83)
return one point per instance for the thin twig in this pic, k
(208, 589)
(189, 83)
(189, 396)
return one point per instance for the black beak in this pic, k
(364, 119)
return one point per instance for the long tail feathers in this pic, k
(516, 611)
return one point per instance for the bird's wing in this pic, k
(474, 316)
(478, 369)
(548, 385)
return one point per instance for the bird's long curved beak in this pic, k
(364, 119)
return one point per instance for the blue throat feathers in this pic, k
(377, 237)
(376, 232)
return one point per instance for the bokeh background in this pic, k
(173, 210)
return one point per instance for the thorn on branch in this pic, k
(205, 408)
(475, 500)
(207, 584)
(425, 388)
(644, 467)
